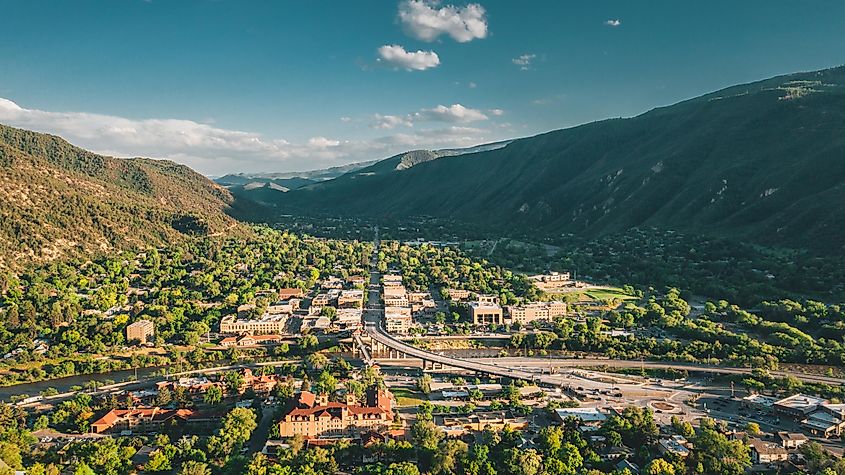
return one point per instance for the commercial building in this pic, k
(395, 296)
(458, 294)
(827, 420)
(798, 405)
(290, 293)
(485, 313)
(397, 319)
(314, 415)
(251, 340)
(266, 325)
(141, 331)
(587, 416)
(350, 298)
(536, 311)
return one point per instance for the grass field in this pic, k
(607, 294)
(407, 397)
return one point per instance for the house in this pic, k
(792, 440)
(151, 419)
(313, 415)
(763, 452)
(141, 331)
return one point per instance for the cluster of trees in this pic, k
(426, 265)
(184, 290)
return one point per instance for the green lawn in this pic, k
(407, 397)
(607, 294)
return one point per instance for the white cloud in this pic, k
(453, 113)
(613, 22)
(216, 151)
(456, 113)
(472, 85)
(524, 61)
(346, 119)
(391, 121)
(411, 61)
(423, 20)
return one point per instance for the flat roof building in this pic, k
(141, 331)
(485, 313)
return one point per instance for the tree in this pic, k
(213, 395)
(83, 469)
(192, 467)
(159, 462)
(424, 383)
(426, 435)
(325, 383)
(659, 467)
(753, 428)
(447, 456)
(164, 396)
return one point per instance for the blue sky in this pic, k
(230, 86)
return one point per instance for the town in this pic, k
(383, 358)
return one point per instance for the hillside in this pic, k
(763, 162)
(59, 200)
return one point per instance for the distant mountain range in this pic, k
(763, 162)
(58, 200)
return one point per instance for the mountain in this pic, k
(762, 162)
(290, 180)
(60, 200)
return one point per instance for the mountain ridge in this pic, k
(742, 162)
(58, 200)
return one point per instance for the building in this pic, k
(357, 280)
(151, 419)
(397, 319)
(251, 340)
(321, 300)
(395, 296)
(763, 452)
(458, 294)
(551, 277)
(314, 415)
(350, 299)
(792, 440)
(459, 425)
(141, 331)
(587, 416)
(798, 405)
(333, 283)
(349, 318)
(486, 313)
(196, 385)
(675, 445)
(391, 280)
(266, 325)
(284, 306)
(828, 420)
(536, 311)
(290, 293)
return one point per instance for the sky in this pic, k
(228, 86)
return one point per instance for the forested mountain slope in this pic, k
(59, 200)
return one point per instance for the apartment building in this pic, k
(288, 293)
(141, 331)
(313, 415)
(535, 311)
(458, 294)
(395, 296)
